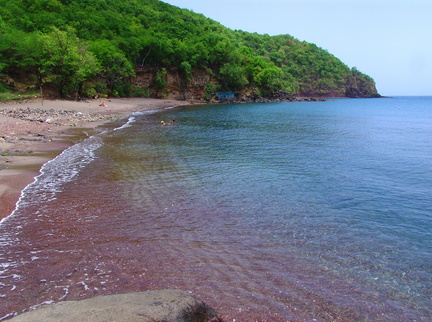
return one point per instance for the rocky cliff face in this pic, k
(360, 86)
(177, 86)
(201, 86)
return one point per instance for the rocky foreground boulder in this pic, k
(160, 305)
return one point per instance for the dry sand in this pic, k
(33, 132)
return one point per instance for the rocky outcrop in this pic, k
(177, 87)
(159, 305)
(359, 85)
(197, 87)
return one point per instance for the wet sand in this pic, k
(33, 132)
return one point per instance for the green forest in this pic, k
(87, 48)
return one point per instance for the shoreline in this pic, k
(35, 132)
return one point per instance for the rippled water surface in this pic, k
(267, 212)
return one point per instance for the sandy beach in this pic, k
(33, 132)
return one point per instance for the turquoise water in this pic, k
(268, 212)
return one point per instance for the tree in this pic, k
(153, 34)
(23, 54)
(160, 80)
(186, 71)
(270, 79)
(233, 77)
(31, 57)
(114, 64)
(254, 66)
(66, 57)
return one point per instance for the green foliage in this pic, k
(69, 43)
(89, 90)
(186, 71)
(2, 88)
(115, 65)
(66, 57)
(101, 88)
(233, 77)
(138, 91)
(8, 95)
(160, 79)
(270, 79)
(209, 91)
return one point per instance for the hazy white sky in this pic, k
(390, 40)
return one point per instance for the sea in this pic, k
(295, 211)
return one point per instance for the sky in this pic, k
(389, 40)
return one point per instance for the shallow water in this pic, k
(267, 212)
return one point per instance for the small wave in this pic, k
(132, 118)
(64, 168)
(56, 172)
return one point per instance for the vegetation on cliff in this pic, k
(89, 47)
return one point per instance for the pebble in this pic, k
(45, 116)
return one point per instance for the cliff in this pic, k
(201, 87)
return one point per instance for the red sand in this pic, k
(26, 145)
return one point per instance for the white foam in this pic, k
(65, 167)
(8, 316)
(66, 291)
(56, 172)
(132, 118)
(37, 306)
(86, 287)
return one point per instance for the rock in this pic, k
(43, 116)
(159, 305)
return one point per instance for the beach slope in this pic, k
(33, 132)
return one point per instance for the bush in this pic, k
(89, 90)
(186, 71)
(210, 91)
(101, 88)
(140, 91)
(2, 88)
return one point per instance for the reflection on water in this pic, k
(267, 212)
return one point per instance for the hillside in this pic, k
(75, 49)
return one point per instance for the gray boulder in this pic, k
(159, 305)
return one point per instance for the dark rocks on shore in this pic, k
(287, 99)
(47, 116)
(277, 97)
(159, 305)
